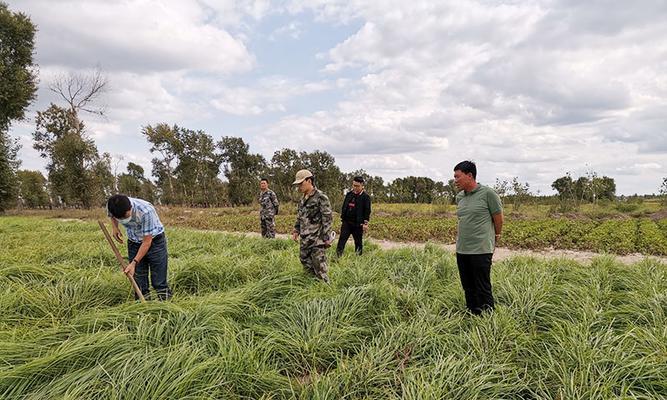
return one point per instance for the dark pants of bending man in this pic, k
(153, 264)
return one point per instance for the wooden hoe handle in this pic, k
(121, 261)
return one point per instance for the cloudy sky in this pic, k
(532, 89)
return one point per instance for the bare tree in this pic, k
(117, 159)
(77, 173)
(81, 90)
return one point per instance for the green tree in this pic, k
(415, 189)
(134, 184)
(242, 169)
(520, 193)
(605, 188)
(59, 137)
(188, 167)
(198, 167)
(18, 85)
(164, 141)
(582, 190)
(9, 163)
(282, 169)
(32, 189)
(663, 191)
(102, 179)
(451, 191)
(129, 185)
(77, 174)
(18, 73)
(565, 187)
(502, 188)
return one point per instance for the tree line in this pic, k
(186, 169)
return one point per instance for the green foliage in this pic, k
(416, 189)
(611, 236)
(283, 167)
(134, 184)
(78, 176)
(565, 187)
(18, 85)
(18, 73)
(9, 163)
(163, 141)
(186, 172)
(32, 189)
(242, 169)
(627, 207)
(515, 191)
(589, 188)
(650, 238)
(246, 322)
(328, 177)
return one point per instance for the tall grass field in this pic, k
(247, 323)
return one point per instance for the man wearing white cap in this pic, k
(314, 220)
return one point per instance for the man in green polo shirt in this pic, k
(480, 223)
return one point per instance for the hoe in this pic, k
(121, 261)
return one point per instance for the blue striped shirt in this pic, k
(144, 221)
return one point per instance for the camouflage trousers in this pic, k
(314, 260)
(268, 225)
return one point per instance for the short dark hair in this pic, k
(467, 167)
(359, 179)
(264, 179)
(312, 179)
(118, 205)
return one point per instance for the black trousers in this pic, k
(357, 232)
(475, 273)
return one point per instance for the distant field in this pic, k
(247, 323)
(617, 229)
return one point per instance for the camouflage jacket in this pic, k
(314, 219)
(268, 203)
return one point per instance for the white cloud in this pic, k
(387, 164)
(268, 95)
(292, 30)
(638, 168)
(535, 84)
(147, 35)
(531, 89)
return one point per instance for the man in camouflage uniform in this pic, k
(314, 221)
(268, 203)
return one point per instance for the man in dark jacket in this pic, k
(355, 215)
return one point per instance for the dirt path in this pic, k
(501, 253)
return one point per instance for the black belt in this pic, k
(158, 237)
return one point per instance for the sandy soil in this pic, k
(501, 253)
(584, 257)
